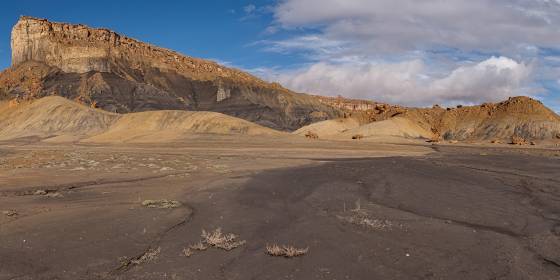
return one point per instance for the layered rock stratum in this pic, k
(101, 68)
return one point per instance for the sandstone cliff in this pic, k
(101, 68)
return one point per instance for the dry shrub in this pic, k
(162, 204)
(518, 140)
(360, 217)
(285, 251)
(215, 239)
(187, 252)
(198, 246)
(221, 241)
(149, 256)
(367, 222)
(311, 135)
(10, 213)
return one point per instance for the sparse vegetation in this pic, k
(10, 213)
(187, 252)
(149, 256)
(198, 246)
(285, 251)
(311, 135)
(221, 241)
(215, 239)
(162, 204)
(360, 217)
(518, 140)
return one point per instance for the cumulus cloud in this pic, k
(409, 82)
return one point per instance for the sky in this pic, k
(407, 52)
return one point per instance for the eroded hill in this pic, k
(57, 119)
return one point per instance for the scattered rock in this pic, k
(161, 203)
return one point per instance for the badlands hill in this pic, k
(518, 116)
(59, 119)
(103, 69)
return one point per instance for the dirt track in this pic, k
(365, 211)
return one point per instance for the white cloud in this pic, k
(374, 26)
(409, 82)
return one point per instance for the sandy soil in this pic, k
(363, 210)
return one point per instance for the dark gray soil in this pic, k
(458, 213)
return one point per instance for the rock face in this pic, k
(101, 68)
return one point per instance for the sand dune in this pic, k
(57, 119)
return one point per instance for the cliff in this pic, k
(104, 69)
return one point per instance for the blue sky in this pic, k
(401, 51)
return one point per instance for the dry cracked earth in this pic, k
(361, 211)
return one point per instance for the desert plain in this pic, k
(358, 210)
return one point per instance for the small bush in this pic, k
(311, 135)
(162, 204)
(285, 251)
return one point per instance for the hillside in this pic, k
(519, 116)
(60, 119)
(102, 68)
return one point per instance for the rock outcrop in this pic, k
(101, 68)
(518, 116)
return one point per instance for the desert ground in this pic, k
(344, 210)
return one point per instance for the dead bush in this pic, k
(149, 256)
(215, 239)
(162, 204)
(187, 252)
(10, 213)
(285, 251)
(219, 240)
(518, 140)
(311, 135)
(198, 246)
